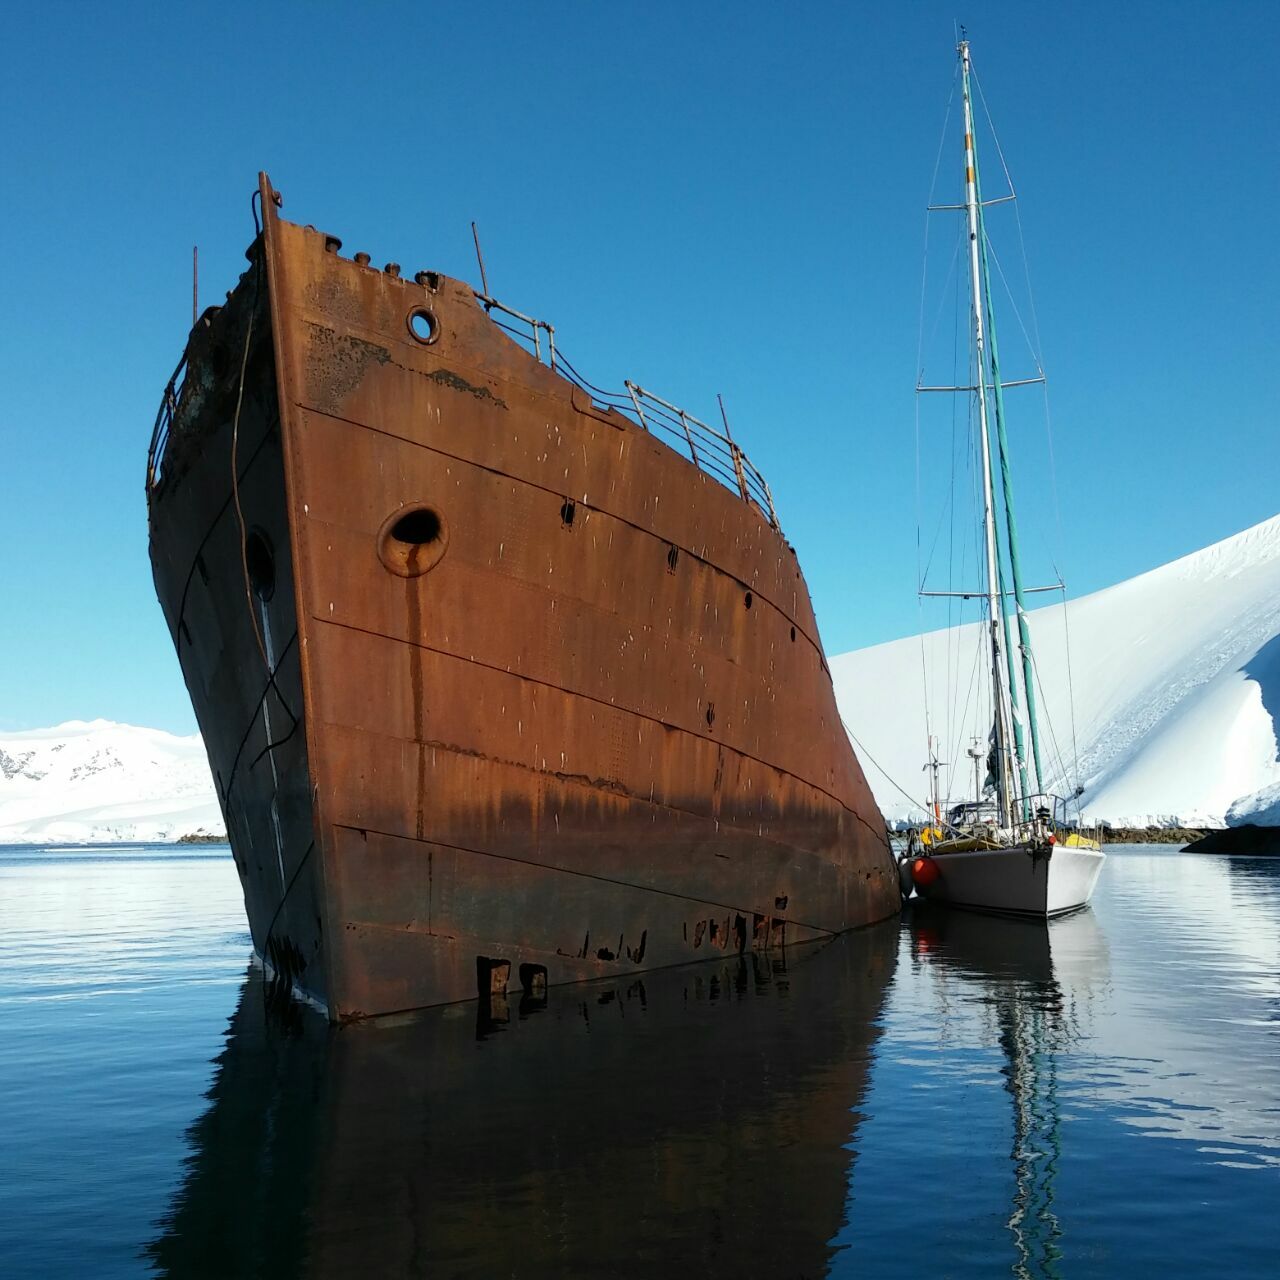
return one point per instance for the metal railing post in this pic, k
(688, 435)
(635, 400)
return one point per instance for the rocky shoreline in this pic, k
(1151, 835)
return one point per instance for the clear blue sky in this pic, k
(703, 197)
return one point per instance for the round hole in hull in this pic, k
(260, 563)
(417, 528)
(413, 540)
(423, 325)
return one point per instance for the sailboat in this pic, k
(1009, 849)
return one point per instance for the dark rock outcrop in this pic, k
(1247, 839)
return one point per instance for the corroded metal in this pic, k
(525, 686)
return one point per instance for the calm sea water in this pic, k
(943, 1096)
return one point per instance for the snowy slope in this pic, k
(102, 781)
(1176, 677)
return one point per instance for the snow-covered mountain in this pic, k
(99, 781)
(1176, 677)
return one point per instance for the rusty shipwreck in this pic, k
(497, 687)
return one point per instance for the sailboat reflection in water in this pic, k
(702, 1115)
(1037, 980)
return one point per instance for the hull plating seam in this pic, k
(545, 866)
(463, 460)
(600, 702)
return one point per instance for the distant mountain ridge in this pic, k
(90, 781)
(1176, 676)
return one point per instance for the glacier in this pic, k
(1176, 681)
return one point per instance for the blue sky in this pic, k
(704, 198)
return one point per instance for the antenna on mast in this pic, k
(195, 284)
(975, 753)
(935, 797)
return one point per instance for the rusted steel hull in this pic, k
(496, 687)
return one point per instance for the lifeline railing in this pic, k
(714, 452)
(164, 421)
(1044, 808)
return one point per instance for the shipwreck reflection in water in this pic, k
(1037, 980)
(700, 1117)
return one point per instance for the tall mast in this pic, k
(1011, 525)
(994, 611)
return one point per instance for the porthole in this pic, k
(260, 564)
(413, 540)
(417, 528)
(748, 600)
(423, 325)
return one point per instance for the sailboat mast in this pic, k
(1011, 525)
(994, 610)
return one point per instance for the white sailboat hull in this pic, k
(1013, 879)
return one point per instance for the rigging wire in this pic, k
(975, 693)
(933, 184)
(864, 754)
(1034, 342)
(975, 673)
(937, 319)
(1057, 750)
(995, 137)
(924, 283)
(949, 509)
(1013, 305)
(1071, 693)
(955, 611)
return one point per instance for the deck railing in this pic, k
(711, 450)
(715, 452)
(164, 422)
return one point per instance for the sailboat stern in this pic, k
(1042, 881)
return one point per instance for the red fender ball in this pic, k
(924, 871)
